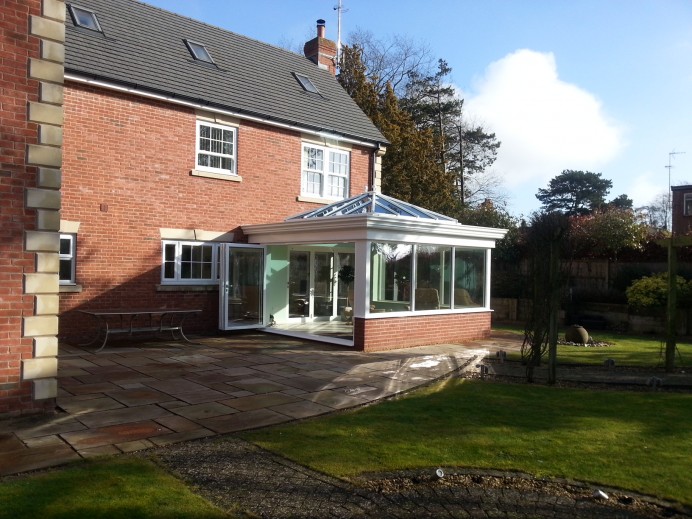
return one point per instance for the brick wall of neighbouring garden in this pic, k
(420, 330)
(127, 174)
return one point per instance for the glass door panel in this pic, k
(299, 284)
(323, 280)
(242, 282)
(345, 268)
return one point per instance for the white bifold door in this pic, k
(241, 286)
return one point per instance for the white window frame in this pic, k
(177, 278)
(686, 198)
(325, 185)
(71, 256)
(233, 156)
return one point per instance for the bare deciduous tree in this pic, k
(391, 60)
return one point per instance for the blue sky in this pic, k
(595, 85)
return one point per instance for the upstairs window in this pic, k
(688, 204)
(216, 148)
(325, 172)
(84, 18)
(192, 263)
(68, 257)
(199, 51)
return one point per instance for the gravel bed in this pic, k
(236, 475)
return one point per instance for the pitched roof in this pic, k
(143, 47)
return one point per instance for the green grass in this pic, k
(109, 487)
(638, 441)
(625, 349)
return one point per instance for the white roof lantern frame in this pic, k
(374, 217)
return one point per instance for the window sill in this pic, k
(218, 176)
(69, 289)
(317, 200)
(187, 288)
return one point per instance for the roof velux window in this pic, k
(305, 82)
(199, 51)
(84, 18)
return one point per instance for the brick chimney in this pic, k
(321, 51)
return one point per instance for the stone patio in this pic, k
(136, 395)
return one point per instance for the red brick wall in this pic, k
(682, 223)
(421, 330)
(134, 155)
(16, 91)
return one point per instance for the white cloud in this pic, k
(645, 189)
(545, 124)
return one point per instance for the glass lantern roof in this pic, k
(373, 203)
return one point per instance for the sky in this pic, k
(591, 85)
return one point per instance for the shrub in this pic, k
(649, 293)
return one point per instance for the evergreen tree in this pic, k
(433, 105)
(575, 192)
(410, 170)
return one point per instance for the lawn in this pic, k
(110, 487)
(626, 350)
(638, 441)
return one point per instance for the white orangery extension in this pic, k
(334, 272)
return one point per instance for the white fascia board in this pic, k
(175, 100)
(375, 228)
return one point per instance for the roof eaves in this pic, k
(148, 91)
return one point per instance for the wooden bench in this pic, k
(129, 322)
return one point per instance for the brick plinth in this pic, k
(405, 332)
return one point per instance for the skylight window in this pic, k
(84, 18)
(199, 51)
(307, 85)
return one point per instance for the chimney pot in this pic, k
(320, 50)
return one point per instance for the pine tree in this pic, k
(410, 169)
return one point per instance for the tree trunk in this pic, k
(553, 312)
(672, 306)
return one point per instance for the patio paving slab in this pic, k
(138, 395)
(184, 436)
(202, 411)
(177, 423)
(199, 397)
(35, 458)
(244, 421)
(334, 399)
(302, 409)
(101, 387)
(122, 416)
(259, 385)
(249, 403)
(77, 407)
(176, 386)
(114, 434)
(306, 384)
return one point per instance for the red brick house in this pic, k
(205, 170)
(681, 210)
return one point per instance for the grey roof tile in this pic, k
(143, 46)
